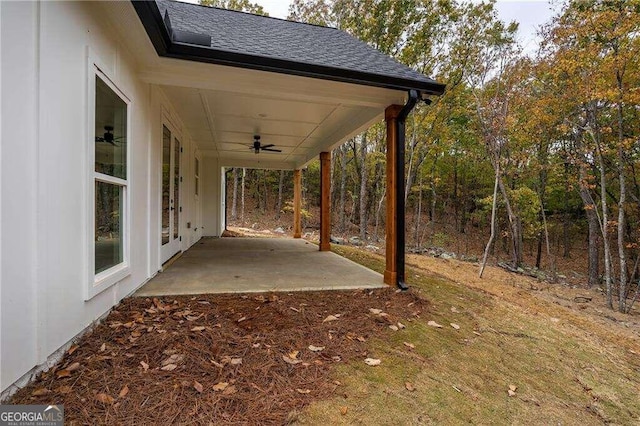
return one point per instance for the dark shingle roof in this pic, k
(293, 45)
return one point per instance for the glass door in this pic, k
(170, 209)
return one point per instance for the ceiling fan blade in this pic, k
(266, 146)
(272, 150)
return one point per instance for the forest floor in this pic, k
(505, 349)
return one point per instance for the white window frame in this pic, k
(97, 283)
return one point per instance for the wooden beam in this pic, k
(325, 201)
(391, 269)
(297, 203)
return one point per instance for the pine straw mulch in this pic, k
(232, 359)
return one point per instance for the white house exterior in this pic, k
(89, 114)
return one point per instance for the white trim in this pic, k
(97, 283)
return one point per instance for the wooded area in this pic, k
(547, 143)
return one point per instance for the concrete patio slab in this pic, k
(238, 265)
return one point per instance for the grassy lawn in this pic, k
(565, 368)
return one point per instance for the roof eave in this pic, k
(153, 23)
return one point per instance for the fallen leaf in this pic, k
(290, 360)
(513, 387)
(255, 345)
(293, 354)
(456, 326)
(169, 367)
(434, 324)
(63, 373)
(511, 393)
(303, 391)
(294, 309)
(410, 345)
(74, 366)
(375, 311)
(104, 398)
(343, 410)
(372, 362)
(220, 386)
(229, 390)
(203, 302)
(40, 392)
(401, 326)
(72, 349)
(361, 339)
(316, 348)
(194, 317)
(409, 386)
(512, 390)
(197, 386)
(124, 391)
(331, 318)
(199, 328)
(393, 327)
(103, 347)
(144, 365)
(242, 319)
(173, 359)
(236, 361)
(217, 364)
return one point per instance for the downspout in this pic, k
(414, 96)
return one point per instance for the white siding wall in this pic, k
(43, 214)
(18, 185)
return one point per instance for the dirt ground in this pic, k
(217, 359)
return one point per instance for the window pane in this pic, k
(176, 190)
(166, 188)
(108, 244)
(110, 132)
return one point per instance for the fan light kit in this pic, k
(257, 146)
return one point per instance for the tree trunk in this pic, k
(604, 226)
(343, 187)
(566, 244)
(380, 202)
(493, 224)
(363, 188)
(419, 214)
(234, 195)
(515, 226)
(622, 290)
(244, 175)
(280, 186)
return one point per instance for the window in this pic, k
(110, 182)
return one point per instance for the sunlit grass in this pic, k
(563, 375)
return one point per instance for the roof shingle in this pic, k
(278, 39)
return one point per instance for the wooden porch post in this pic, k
(391, 270)
(297, 203)
(325, 201)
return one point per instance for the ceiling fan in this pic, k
(257, 146)
(108, 136)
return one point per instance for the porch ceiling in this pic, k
(222, 108)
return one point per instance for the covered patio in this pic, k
(245, 265)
